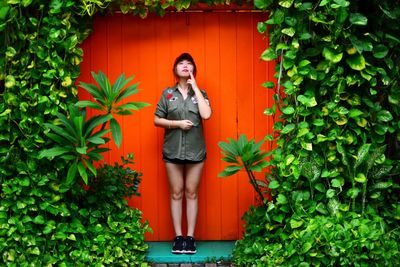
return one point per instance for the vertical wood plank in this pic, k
(164, 79)
(100, 36)
(228, 124)
(148, 133)
(212, 183)
(245, 71)
(131, 142)
(114, 69)
(196, 41)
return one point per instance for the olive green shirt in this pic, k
(178, 143)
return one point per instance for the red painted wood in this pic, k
(227, 49)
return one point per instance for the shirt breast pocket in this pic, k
(194, 115)
(173, 111)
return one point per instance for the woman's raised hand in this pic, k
(192, 80)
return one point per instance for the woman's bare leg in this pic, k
(175, 178)
(193, 175)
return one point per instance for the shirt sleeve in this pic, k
(161, 109)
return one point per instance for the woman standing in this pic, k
(180, 112)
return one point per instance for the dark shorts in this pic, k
(182, 161)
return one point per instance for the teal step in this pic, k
(207, 251)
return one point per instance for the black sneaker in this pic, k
(190, 245)
(179, 245)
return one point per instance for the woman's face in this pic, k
(183, 68)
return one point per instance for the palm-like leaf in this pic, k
(78, 143)
(244, 154)
(107, 99)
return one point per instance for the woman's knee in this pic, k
(191, 194)
(177, 194)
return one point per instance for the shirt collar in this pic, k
(191, 92)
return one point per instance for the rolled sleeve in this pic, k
(161, 109)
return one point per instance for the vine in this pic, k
(43, 220)
(335, 171)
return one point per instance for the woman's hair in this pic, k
(181, 57)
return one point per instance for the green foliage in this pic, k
(90, 227)
(351, 240)
(143, 7)
(336, 159)
(76, 142)
(244, 154)
(108, 100)
(45, 217)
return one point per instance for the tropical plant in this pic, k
(77, 142)
(108, 100)
(244, 154)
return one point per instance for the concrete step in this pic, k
(208, 253)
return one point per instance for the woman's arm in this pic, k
(204, 107)
(172, 124)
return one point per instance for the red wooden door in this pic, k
(226, 48)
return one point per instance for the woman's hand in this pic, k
(192, 81)
(185, 125)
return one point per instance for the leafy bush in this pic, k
(348, 240)
(334, 174)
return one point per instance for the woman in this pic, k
(180, 112)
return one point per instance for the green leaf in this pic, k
(82, 172)
(259, 166)
(72, 173)
(295, 223)
(288, 110)
(93, 90)
(273, 184)
(331, 55)
(353, 113)
(116, 132)
(286, 3)
(39, 219)
(337, 182)
(133, 106)
(360, 178)
(269, 54)
(289, 31)
(362, 154)
(90, 104)
(261, 27)
(358, 19)
(262, 4)
(307, 101)
(268, 84)
(289, 159)
(53, 152)
(330, 193)
(288, 128)
(229, 148)
(340, 3)
(90, 166)
(81, 150)
(380, 51)
(384, 115)
(281, 199)
(229, 170)
(306, 247)
(356, 61)
(353, 192)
